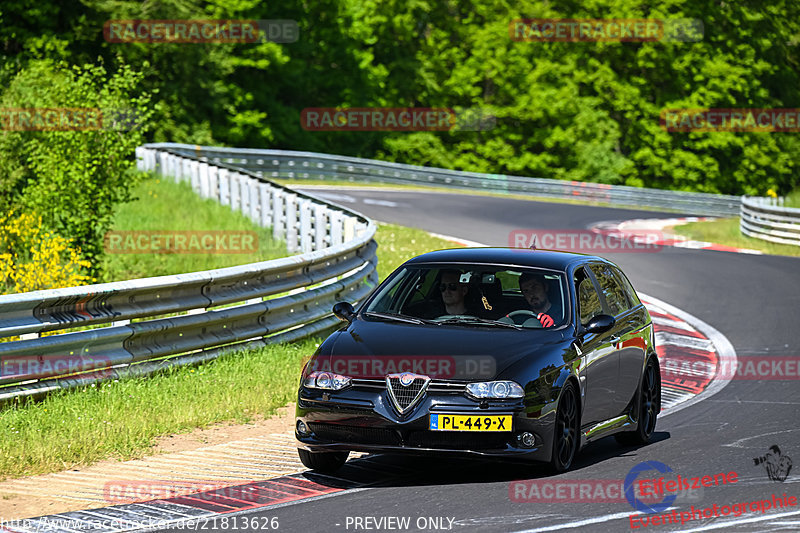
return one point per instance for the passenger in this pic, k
(534, 289)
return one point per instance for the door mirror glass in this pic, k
(344, 311)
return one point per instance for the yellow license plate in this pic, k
(452, 422)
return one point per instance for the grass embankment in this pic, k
(123, 419)
(164, 206)
(726, 231)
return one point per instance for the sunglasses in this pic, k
(448, 286)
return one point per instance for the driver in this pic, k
(453, 292)
(534, 289)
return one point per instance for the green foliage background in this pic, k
(567, 110)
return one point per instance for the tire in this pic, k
(566, 433)
(649, 403)
(322, 462)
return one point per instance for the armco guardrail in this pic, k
(763, 219)
(215, 311)
(280, 164)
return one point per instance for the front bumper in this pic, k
(362, 419)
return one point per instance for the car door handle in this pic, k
(614, 339)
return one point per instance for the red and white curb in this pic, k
(641, 230)
(681, 337)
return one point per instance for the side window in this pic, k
(588, 299)
(422, 286)
(615, 295)
(633, 298)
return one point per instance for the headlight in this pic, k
(495, 390)
(326, 380)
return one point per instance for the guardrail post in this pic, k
(184, 169)
(337, 225)
(244, 194)
(320, 226)
(291, 222)
(213, 182)
(306, 239)
(277, 214)
(171, 169)
(194, 168)
(252, 184)
(741, 216)
(265, 210)
(205, 170)
(139, 154)
(349, 229)
(224, 187)
(196, 176)
(235, 190)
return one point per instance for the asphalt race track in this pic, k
(752, 300)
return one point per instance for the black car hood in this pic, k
(467, 346)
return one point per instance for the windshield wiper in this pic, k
(396, 317)
(487, 321)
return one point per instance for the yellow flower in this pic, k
(34, 259)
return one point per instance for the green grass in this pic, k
(166, 206)
(726, 231)
(398, 244)
(123, 419)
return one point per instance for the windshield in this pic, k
(474, 296)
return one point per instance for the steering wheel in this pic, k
(523, 312)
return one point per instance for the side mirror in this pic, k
(344, 311)
(600, 323)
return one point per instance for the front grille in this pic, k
(438, 386)
(461, 440)
(406, 396)
(417, 439)
(360, 435)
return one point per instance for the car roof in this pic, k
(506, 256)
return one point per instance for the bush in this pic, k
(72, 179)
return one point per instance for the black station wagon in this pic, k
(493, 352)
